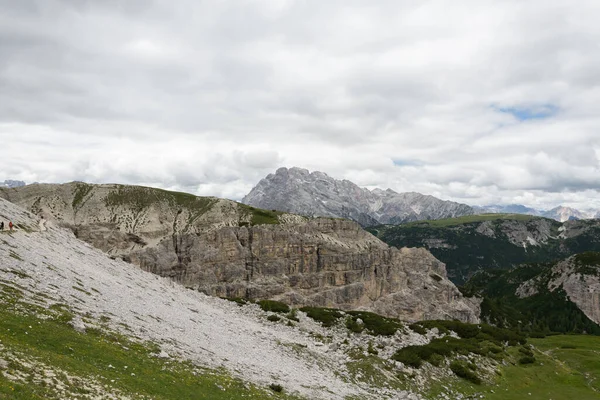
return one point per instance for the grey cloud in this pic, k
(211, 96)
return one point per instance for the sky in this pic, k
(481, 102)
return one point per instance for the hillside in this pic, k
(560, 296)
(488, 241)
(76, 324)
(301, 192)
(224, 248)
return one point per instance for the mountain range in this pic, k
(299, 191)
(9, 183)
(108, 292)
(559, 213)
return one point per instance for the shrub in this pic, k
(293, 315)
(353, 325)
(276, 387)
(371, 349)
(526, 351)
(408, 356)
(240, 301)
(418, 329)
(436, 360)
(462, 370)
(273, 318)
(376, 324)
(326, 316)
(527, 360)
(274, 306)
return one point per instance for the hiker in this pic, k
(10, 225)
(42, 223)
(1, 225)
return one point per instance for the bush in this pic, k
(326, 316)
(240, 301)
(527, 360)
(462, 370)
(371, 349)
(273, 318)
(526, 351)
(353, 325)
(408, 356)
(293, 315)
(276, 387)
(418, 329)
(274, 306)
(376, 324)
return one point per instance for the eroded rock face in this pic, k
(211, 245)
(580, 283)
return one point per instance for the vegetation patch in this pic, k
(373, 323)
(463, 370)
(259, 216)
(80, 192)
(326, 316)
(273, 306)
(98, 362)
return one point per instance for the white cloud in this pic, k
(477, 101)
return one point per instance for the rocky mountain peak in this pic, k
(300, 191)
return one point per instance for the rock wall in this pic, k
(212, 246)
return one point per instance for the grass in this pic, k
(32, 344)
(566, 367)
(259, 216)
(139, 198)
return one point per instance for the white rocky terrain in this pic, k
(227, 249)
(42, 258)
(299, 191)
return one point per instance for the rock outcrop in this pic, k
(299, 191)
(224, 248)
(579, 280)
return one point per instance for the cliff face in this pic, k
(298, 191)
(227, 249)
(578, 276)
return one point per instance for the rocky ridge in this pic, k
(224, 248)
(299, 191)
(51, 267)
(579, 279)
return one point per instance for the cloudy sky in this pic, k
(475, 101)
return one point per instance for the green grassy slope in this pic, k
(566, 368)
(43, 357)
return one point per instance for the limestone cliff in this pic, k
(224, 248)
(578, 276)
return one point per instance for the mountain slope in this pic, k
(52, 267)
(483, 242)
(229, 249)
(561, 296)
(298, 191)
